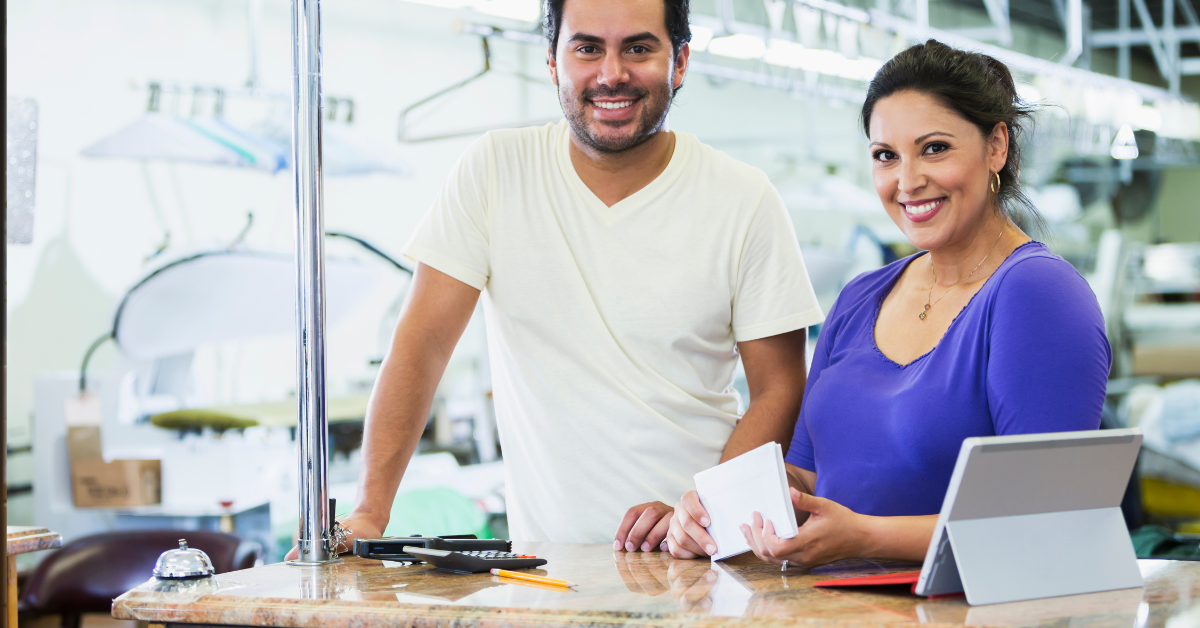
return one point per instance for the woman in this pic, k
(987, 333)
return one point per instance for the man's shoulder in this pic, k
(529, 138)
(715, 165)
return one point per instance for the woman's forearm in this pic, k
(897, 538)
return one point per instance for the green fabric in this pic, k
(1159, 542)
(196, 419)
(428, 512)
(435, 512)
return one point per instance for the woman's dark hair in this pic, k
(981, 90)
(677, 23)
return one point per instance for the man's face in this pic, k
(615, 71)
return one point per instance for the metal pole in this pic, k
(311, 435)
(1172, 45)
(1123, 51)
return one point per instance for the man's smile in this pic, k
(612, 105)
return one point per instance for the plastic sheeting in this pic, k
(228, 295)
(217, 141)
(160, 137)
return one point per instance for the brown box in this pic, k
(117, 484)
(1168, 360)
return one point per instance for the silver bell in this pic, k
(182, 563)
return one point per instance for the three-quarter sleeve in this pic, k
(1048, 355)
(800, 451)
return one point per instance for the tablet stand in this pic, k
(1025, 557)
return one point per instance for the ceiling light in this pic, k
(701, 35)
(793, 55)
(521, 10)
(1028, 94)
(1146, 117)
(739, 46)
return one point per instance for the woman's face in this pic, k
(932, 169)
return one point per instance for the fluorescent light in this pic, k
(1146, 117)
(701, 35)
(1028, 93)
(793, 55)
(739, 46)
(446, 4)
(521, 10)
(1124, 145)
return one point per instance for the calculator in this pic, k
(473, 562)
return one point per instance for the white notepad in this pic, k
(732, 491)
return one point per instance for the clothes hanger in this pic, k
(407, 124)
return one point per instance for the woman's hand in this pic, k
(687, 537)
(692, 585)
(832, 532)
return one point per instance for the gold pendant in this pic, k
(922, 314)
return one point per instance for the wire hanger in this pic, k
(406, 125)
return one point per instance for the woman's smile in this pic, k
(923, 209)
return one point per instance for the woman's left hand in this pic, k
(832, 532)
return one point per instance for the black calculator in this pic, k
(473, 562)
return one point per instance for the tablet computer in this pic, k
(1034, 516)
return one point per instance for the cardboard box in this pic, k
(1175, 360)
(117, 484)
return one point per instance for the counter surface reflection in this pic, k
(616, 588)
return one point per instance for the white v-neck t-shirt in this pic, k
(612, 331)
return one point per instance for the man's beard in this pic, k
(654, 115)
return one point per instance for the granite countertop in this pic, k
(25, 539)
(619, 589)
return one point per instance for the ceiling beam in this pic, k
(1115, 38)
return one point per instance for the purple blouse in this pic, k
(1027, 354)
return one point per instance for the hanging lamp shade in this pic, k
(203, 140)
(224, 296)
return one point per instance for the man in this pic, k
(625, 268)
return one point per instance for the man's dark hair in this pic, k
(981, 90)
(677, 23)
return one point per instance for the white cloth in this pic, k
(612, 330)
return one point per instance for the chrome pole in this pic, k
(311, 434)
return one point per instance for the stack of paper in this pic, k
(732, 491)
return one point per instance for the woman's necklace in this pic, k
(932, 267)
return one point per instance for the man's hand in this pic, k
(687, 537)
(356, 527)
(644, 527)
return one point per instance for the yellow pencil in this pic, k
(531, 578)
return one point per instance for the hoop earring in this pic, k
(995, 189)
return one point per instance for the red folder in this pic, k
(905, 577)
